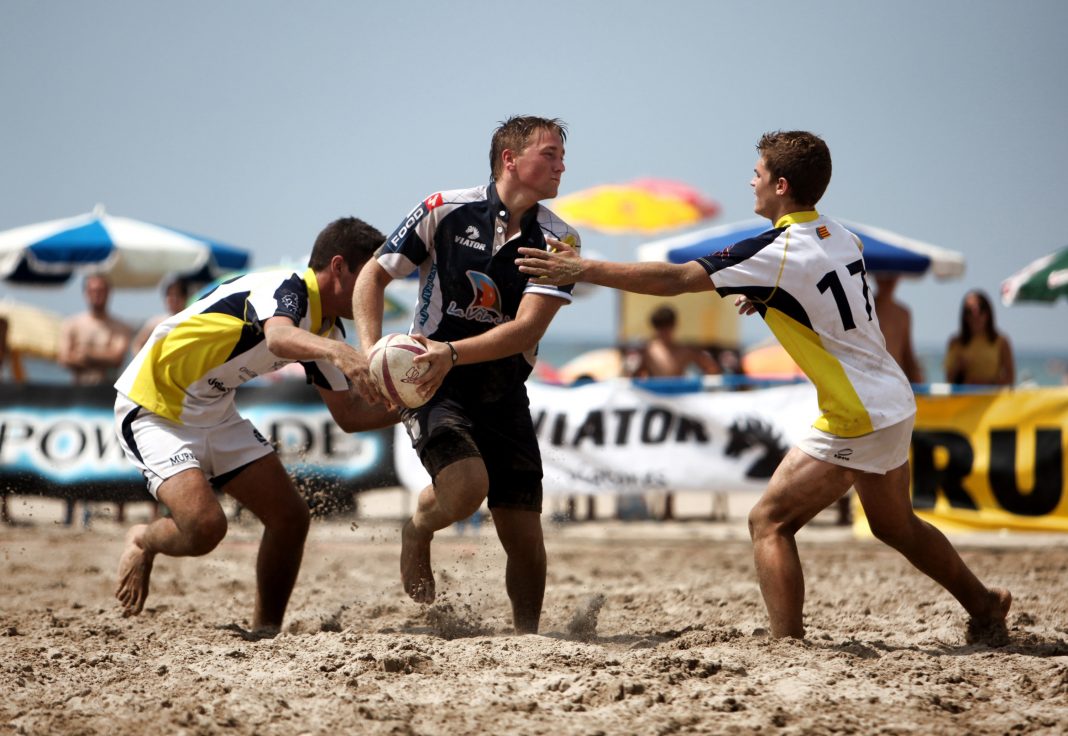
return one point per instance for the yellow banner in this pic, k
(991, 461)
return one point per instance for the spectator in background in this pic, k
(895, 320)
(979, 354)
(175, 296)
(92, 346)
(662, 356)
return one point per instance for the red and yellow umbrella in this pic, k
(643, 206)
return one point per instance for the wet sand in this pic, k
(648, 628)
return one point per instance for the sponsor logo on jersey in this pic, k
(290, 303)
(413, 217)
(486, 304)
(218, 385)
(434, 200)
(427, 294)
(844, 454)
(182, 457)
(471, 239)
(823, 232)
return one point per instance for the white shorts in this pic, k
(160, 448)
(876, 452)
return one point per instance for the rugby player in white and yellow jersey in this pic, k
(806, 278)
(177, 421)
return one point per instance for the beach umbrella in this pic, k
(1044, 280)
(129, 252)
(884, 251)
(643, 206)
(30, 330)
(770, 360)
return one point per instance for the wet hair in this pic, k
(663, 316)
(801, 158)
(348, 237)
(515, 134)
(985, 305)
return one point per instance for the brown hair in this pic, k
(985, 305)
(515, 134)
(801, 158)
(348, 237)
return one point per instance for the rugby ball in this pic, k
(392, 369)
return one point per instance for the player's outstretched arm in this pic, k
(564, 266)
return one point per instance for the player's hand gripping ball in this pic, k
(392, 369)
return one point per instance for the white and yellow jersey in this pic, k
(806, 278)
(190, 366)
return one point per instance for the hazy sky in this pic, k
(259, 122)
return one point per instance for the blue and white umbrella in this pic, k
(884, 251)
(129, 252)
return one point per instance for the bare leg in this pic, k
(196, 526)
(456, 493)
(889, 510)
(266, 490)
(520, 534)
(799, 489)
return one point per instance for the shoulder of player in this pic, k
(449, 199)
(552, 224)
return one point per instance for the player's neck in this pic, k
(782, 207)
(515, 198)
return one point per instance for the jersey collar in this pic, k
(526, 219)
(796, 218)
(315, 304)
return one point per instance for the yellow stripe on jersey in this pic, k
(315, 302)
(843, 413)
(193, 348)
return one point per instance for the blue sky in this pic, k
(259, 122)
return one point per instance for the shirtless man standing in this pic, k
(663, 356)
(93, 344)
(896, 323)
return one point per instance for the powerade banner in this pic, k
(991, 460)
(60, 441)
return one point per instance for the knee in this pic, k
(526, 542)
(292, 518)
(764, 522)
(460, 504)
(206, 531)
(461, 488)
(894, 533)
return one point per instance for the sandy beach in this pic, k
(648, 628)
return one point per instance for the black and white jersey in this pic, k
(468, 279)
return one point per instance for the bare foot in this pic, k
(416, 574)
(990, 628)
(135, 567)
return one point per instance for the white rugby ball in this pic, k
(393, 370)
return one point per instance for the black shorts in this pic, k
(447, 429)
